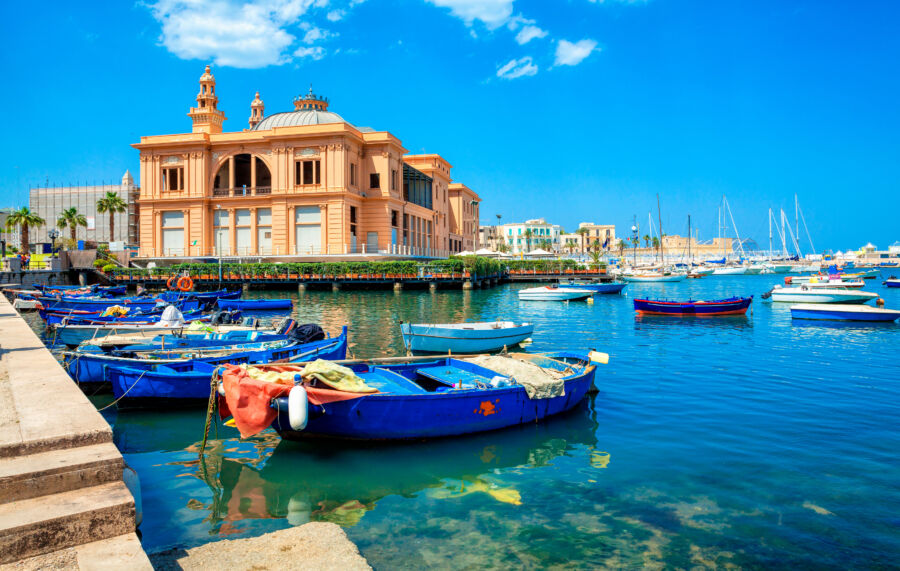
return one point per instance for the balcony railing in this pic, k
(242, 191)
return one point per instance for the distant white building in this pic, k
(531, 235)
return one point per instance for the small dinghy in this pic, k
(463, 337)
(840, 312)
(730, 306)
(407, 398)
(257, 304)
(553, 293)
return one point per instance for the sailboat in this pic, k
(663, 275)
(699, 271)
(726, 269)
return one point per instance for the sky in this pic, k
(570, 110)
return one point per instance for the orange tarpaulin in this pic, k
(247, 399)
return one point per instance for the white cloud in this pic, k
(314, 34)
(315, 53)
(491, 13)
(568, 53)
(517, 68)
(249, 35)
(336, 15)
(529, 33)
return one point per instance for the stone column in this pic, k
(254, 235)
(230, 172)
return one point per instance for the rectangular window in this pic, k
(393, 179)
(374, 180)
(308, 172)
(394, 218)
(353, 221)
(353, 174)
(173, 178)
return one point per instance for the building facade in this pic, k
(531, 235)
(49, 203)
(298, 183)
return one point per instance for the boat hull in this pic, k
(430, 415)
(736, 306)
(259, 304)
(892, 283)
(729, 271)
(553, 294)
(421, 338)
(599, 288)
(834, 312)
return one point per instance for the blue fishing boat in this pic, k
(892, 282)
(730, 306)
(258, 304)
(463, 337)
(165, 385)
(89, 367)
(841, 312)
(201, 296)
(430, 398)
(55, 316)
(596, 287)
(98, 304)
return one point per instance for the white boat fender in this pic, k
(298, 407)
(133, 483)
(598, 357)
(500, 381)
(220, 388)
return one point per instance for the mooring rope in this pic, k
(125, 393)
(210, 408)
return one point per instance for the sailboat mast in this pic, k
(662, 255)
(690, 237)
(770, 234)
(783, 237)
(797, 217)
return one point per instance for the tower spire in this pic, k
(206, 117)
(257, 110)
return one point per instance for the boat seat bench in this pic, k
(390, 382)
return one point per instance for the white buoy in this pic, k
(298, 411)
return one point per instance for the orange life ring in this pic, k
(185, 284)
(170, 283)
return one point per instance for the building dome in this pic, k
(295, 118)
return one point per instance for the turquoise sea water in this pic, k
(736, 441)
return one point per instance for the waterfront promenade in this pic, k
(62, 497)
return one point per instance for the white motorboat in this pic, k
(838, 284)
(553, 293)
(754, 269)
(730, 271)
(702, 270)
(655, 277)
(778, 268)
(806, 294)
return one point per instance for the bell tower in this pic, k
(206, 118)
(257, 109)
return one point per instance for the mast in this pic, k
(662, 255)
(690, 236)
(770, 234)
(797, 217)
(783, 237)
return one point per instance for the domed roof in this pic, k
(295, 118)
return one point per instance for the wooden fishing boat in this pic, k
(257, 304)
(121, 334)
(553, 293)
(463, 337)
(63, 317)
(595, 287)
(730, 306)
(806, 294)
(842, 312)
(167, 385)
(417, 399)
(90, 367)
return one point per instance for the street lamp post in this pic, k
(473, 204)
(634, 241)
(53, 234)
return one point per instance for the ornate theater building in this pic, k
(299, 183)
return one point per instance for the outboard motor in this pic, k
(306, 333)
(285, 326)
(768, 294)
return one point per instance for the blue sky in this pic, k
(571, 110)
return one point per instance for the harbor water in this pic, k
(749, 441)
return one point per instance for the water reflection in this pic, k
(737, 322)
(266, 478)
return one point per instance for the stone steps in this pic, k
(43, 473)
(44, 524)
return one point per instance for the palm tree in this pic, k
(111, 203)
(71, 219)
(25, 218)
(656, 244)
(647, 240)
(528, 234)
(621, 247)
(582, 232)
